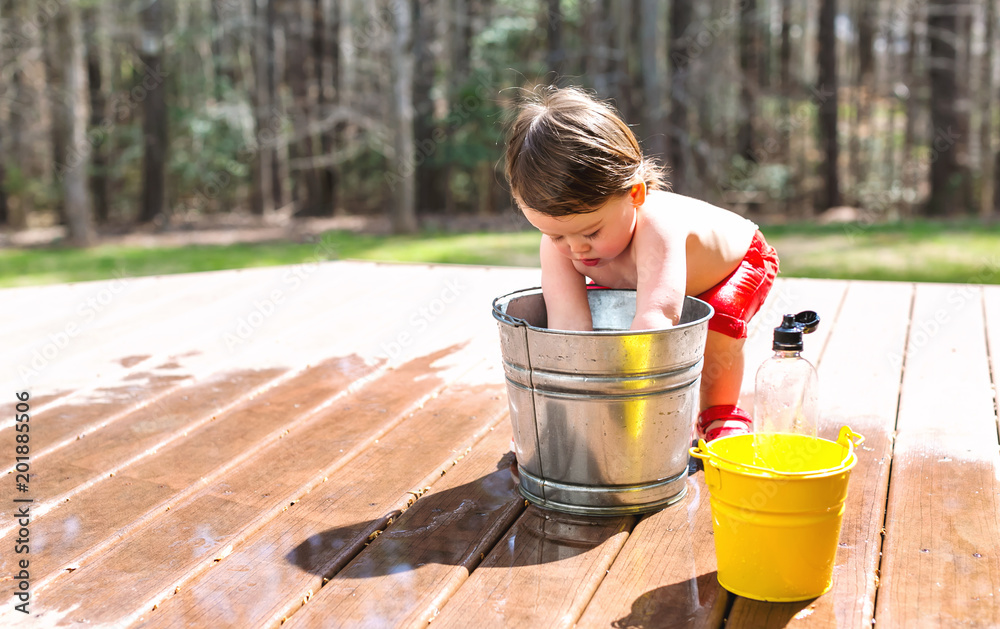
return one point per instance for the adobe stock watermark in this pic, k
(765, 150)
(899, 17)
(263, 308)
(923, 331)
(25, 32)
(877, 204)
(689, 47)
(215, 182)
(421, 318)
(121, 106)
(459, 114)
(86, 312)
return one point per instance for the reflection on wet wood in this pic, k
(147, 429)
(428, 551)
(82, 415)
(101, 513)
(940, 565)
(665, 571)
(541, 574)
(869, 408)
(254, 487)
(270, 573)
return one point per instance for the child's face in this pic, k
(594, 239)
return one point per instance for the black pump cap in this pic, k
(788, 336)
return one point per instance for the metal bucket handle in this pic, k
(847, 438)
(503, 316)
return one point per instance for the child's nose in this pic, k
(579, 246)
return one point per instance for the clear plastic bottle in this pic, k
(786, 392)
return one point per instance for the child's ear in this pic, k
(638, 194)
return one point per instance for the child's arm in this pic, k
(564, 290)
(661, 275)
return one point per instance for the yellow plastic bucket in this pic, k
(776, 527)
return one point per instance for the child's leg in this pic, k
(721, 380)
(722, 373)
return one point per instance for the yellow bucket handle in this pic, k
(847, 438)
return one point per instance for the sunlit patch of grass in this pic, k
(919, 252)
(922, 251)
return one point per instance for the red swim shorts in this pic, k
(737, 298)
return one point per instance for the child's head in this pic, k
(568, 153)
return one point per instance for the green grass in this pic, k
(921, 251)
(918, 251)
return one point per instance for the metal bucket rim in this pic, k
(503, 317)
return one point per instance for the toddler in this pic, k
(577, 173)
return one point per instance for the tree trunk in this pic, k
(623, 63)
(986, 192)
(3, 173)
(276, 116)
(296, 21)
(785, 52)
(680, 18)
(826, 94)
(401, 178)
(429, 135)
(787, 91)
(224, 50)
(4, 21)
(653, 74)
(908, 172)
(99, 190)
(460, 52)
(947, 174)
(55, 82)
(750, 78)
(16, 149)
(73, 171)
(154, 110)
(556, 57)
(863, 128)
(262, 196)
(596, 49)
(326, 52)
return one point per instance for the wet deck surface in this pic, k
(327, 446)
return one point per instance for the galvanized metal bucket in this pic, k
(602, 420)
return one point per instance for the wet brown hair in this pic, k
(568, 153)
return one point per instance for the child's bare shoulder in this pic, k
(667, 210)
(705, 227)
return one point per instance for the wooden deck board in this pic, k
(859, 376)
(84, 462)
(542, 573)
(666, 570)
(103, 513)
(242, 499)
(267, 575)
(940, 565)
(253, 452)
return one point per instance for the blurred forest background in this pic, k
(120, 113)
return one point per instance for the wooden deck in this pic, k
(327, 446)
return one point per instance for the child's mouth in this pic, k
(590, 261)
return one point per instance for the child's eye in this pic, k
(555, 238)
(592, 234)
